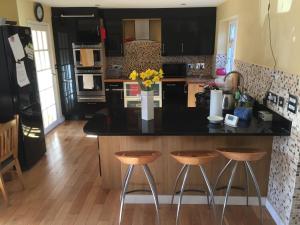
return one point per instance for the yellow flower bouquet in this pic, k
(147, 79)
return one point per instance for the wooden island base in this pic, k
(165, 169)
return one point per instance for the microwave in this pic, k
(173, 70)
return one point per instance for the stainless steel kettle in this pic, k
(228, 101)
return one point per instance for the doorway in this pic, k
(47, 79)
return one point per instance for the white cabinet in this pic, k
(132, 94)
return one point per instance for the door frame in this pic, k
(60, 117)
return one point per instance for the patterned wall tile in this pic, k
(193, 60)
(284, 180)
(141, 55)
(220, 60)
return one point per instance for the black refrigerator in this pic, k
(21, 99)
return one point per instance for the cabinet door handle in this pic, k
(182, 48)
(113, 85)
(185, 88)
(170, 85)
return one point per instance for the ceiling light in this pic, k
(182, 4)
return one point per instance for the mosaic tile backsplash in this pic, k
(141, 55)
(284, 181)
(220, 61)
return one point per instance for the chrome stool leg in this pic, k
(181, 192)
(153, 190)
(208, 185)
(247, 183)
(228, 190)
(257, 189)
(125, 178)
(219, 176)
(176, 182)
(123, 192)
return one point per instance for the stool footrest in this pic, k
(191, 190)
(233, 187)
(137, 190)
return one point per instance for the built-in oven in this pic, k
(88, 56)
(90, 87)
(89, 72)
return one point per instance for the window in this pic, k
(231, 45)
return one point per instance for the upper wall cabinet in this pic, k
(114, 32)
(189, 33)
(114, 39)
(85, 23)
(79, 25)
(184, 31)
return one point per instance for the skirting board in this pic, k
(219, 200)
(192, 200)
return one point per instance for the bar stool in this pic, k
(236, 155)
(189, 159)
(138, 158)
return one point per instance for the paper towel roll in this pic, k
(216, 97)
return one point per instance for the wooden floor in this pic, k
(65, 188)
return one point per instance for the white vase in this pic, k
(147, 105)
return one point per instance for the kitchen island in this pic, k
(176, 129)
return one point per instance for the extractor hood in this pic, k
(142, 28)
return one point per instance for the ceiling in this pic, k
(132, 3)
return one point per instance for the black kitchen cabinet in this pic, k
(114, 39)
(174, 94)
(172, 37)
(113, 24)
(64, 35)
(185, 31)
(114, 94)
(189, 34)
(72, 25)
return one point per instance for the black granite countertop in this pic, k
(178, 121)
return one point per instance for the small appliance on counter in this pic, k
(265, 116)
(231, 120)
(203, 97)
(114, 72)
(174, 70)
(228, 102)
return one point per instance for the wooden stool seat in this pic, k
(194, 158)
(242, 154)
(137, 157)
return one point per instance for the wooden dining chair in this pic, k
(9, 152)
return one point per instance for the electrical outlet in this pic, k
(280, 101)
(292, 104)
(273, 98)
(191, 66)
(200, 66)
